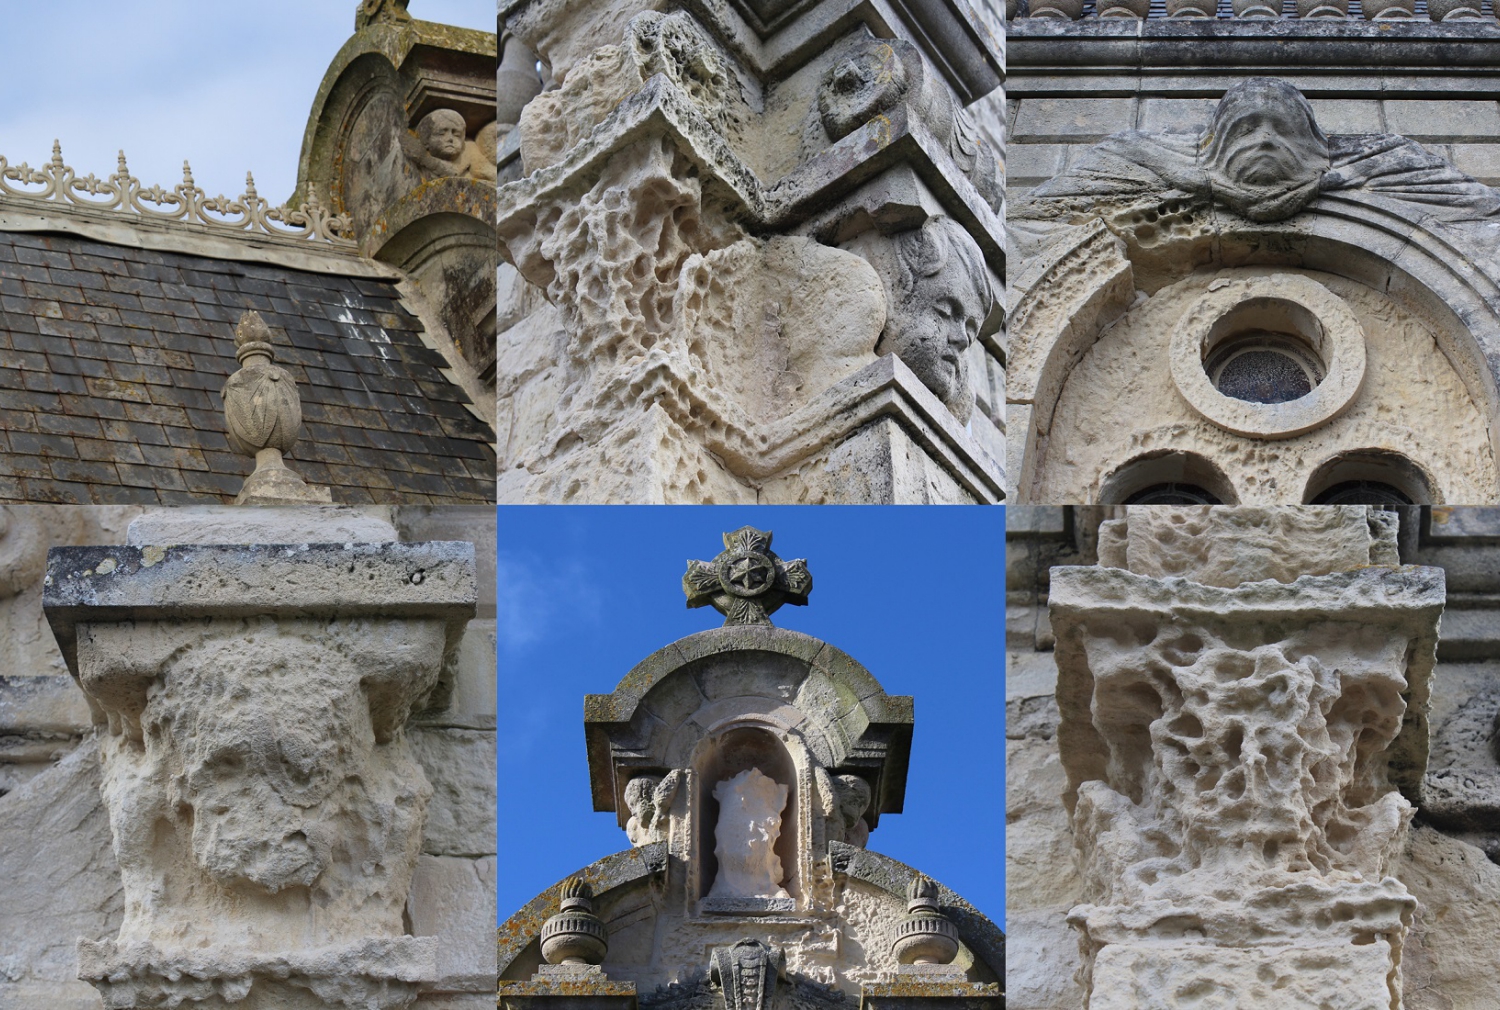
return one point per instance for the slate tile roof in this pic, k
(112, 359)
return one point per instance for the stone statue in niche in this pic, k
(938, 293)
(1262, 156)
(750, 806)
(649, 798)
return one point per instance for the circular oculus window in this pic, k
(1268, 356)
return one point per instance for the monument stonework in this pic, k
(1244, 763)
(754, 253)
(247, 758)
(1254, 255)
(749, 766)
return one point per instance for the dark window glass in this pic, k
(1172, 494)
(1362, 492)
(1264, 376)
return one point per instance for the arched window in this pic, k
(1369, 477)
(1168, 478)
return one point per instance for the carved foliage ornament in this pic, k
(747, 582)
(186, 202)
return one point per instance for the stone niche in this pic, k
(1308, 321)
(748, 843)
(751, 257)
(402, 140)
(768, 725)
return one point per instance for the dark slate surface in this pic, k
(112, 360)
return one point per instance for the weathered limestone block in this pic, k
(1228, 547)
(460, 764)
(1243, 759)
(266, 804)
(57, 891)
(734, 236)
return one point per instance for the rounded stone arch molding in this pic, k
(1086, 276)
(1162, 468)
(418, 65)
(518, 942)
(669, 701)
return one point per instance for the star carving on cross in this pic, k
(747, 582)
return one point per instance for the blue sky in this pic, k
(223, 84)
(915, 594)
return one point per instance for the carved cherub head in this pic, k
(442, 133)
(938, 298)
(1263, 145)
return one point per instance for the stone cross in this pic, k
(747, 582)
(371, 11)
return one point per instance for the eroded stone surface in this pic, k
(1237, 757)
(664, 181)
(750, 806)
(256, 764)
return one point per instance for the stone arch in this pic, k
(658, 713)
(1081, 283)
(1383, 466)
(1166, 466)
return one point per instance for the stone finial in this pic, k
(575, 935)
(263, 416)
(924, 936)
(747, 582)
(373, 11)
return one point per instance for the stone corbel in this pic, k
(250, 706)
(1243, 704)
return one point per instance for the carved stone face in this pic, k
(256, 778)
(1264, 136)
(859, 87)
(939, 300)
(1264, 147)
(442, 134)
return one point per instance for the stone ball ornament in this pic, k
(261, 407)
(924, 935)
(575, 935)
(747, 582)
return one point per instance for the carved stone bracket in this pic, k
(266, 805)
(1243, 754)
(747, 971)
(674, 220)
